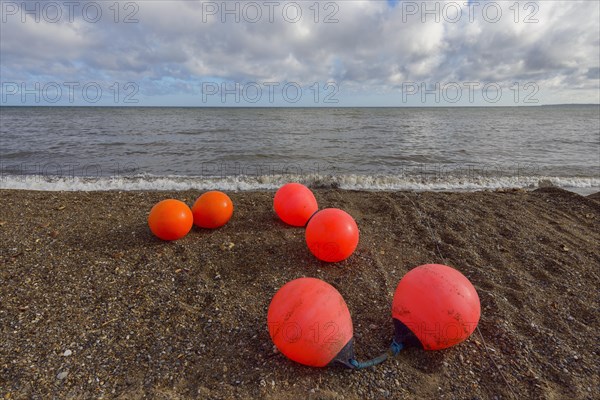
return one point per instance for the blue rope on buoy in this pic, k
(394, 349)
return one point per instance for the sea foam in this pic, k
(270, 182)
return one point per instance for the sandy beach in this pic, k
(93, 306)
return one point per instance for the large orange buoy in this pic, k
(437, 305)
(332, 235)
(170, 219)
(295, 204)
(212, 210)
(309, 322)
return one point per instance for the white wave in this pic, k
(269, 182)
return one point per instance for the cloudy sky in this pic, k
(303, 53)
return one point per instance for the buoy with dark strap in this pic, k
(435, 307)
(309, 323)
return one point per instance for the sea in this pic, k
(240, 149)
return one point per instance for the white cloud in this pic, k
(373, 46)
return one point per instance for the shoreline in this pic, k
(584, 192)
(583, 185)
(140, 317)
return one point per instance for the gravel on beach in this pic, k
(93, 306)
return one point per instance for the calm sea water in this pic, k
(374, 148)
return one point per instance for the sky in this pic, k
(391, 53)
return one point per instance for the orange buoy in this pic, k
(212, 210)
(332, 235)
(309, 322)
(294, 203)
(170, 219)
(437, 305)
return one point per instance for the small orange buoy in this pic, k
(212, 210)
(294, 203)
(332, 235)
(170, 219)
(437, 305)
(309, 322)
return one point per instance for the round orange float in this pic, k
(332, 235)
(294, 203)
(170, 219)
(309, 322)
(212, 210)
(435, 306)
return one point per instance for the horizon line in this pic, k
(298, 107)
